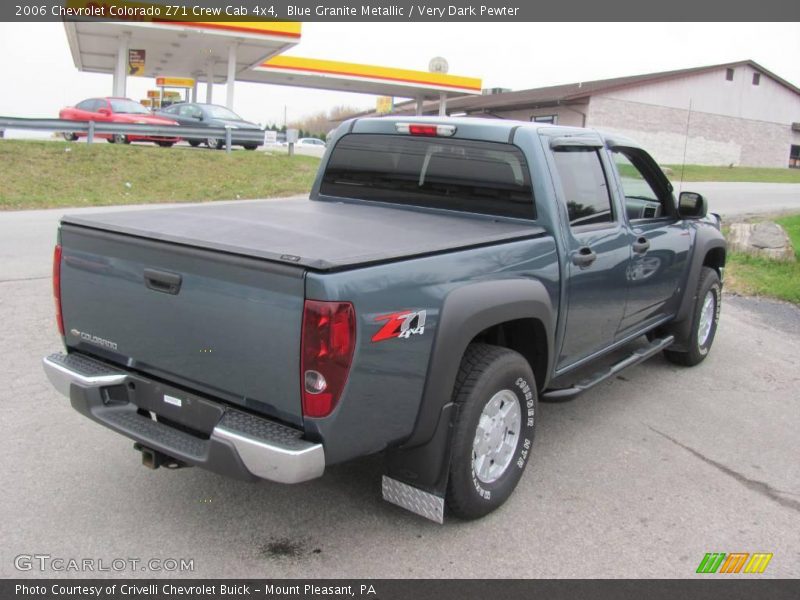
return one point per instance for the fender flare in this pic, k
(423, 459)
(706, 239)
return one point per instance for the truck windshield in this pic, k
(464, 175)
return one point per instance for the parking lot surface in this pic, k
(639, 477)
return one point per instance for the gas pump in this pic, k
(174, 90)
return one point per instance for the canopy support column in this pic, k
(231, 75)
(420, 101)
(443, 104)
(121, 66)
(209, 82)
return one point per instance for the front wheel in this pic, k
(194, 143)
(69, 136)
(165, 144)
(493, 433)
(214, 144)
(705, 318)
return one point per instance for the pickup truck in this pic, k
(444, 276)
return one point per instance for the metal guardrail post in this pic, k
(227, 139)
(291, 148)
(90, 135)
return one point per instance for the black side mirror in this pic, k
(692, 205)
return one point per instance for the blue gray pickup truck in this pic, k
(444, 276)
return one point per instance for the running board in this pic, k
(634, 358)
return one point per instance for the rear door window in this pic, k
(463, 175)
(585, 186)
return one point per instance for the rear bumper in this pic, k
(239, 445)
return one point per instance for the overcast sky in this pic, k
(38, 77)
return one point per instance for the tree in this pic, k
(319, 124)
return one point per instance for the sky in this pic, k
(38, 77)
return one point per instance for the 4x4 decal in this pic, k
(402, 324)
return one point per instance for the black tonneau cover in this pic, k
(319, 235)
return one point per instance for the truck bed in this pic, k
(319, 235)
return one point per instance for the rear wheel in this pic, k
(166, 144)
(214, 144)
(493, 434)
(194, 143)
(69, 136)
(250, 147)
(705, 318)
(119, 138)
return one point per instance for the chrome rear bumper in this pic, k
(240, 444)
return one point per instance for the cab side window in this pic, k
(190, 111)
(585, 186)
(646, 196)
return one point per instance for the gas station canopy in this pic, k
(183, 49)
(224, 52)
(367, 79)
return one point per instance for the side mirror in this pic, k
(692, 205)
(104, 111)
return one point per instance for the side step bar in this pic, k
(640, 355)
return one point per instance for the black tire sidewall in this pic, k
(709, 282)
(508, 372)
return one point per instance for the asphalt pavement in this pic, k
(639, 477)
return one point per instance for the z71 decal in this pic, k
(400, 325)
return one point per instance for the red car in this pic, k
(116, 110)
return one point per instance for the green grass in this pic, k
(756, 276)
(754, 174)
(45, 174)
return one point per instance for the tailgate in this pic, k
(224, 325)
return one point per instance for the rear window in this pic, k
(464, 175)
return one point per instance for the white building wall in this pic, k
(713, 139)
(710, 92)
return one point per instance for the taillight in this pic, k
(425, 129)
(328, 342)
(57, 287)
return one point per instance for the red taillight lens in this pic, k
(328, 342)
(422, 129)
(57, 287)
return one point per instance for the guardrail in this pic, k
(92, 128)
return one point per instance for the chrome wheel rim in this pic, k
(496, 436)
(706, 318)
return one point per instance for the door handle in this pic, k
(641, 245)
(584, 257)
(162, 281)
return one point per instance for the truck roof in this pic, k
(489, 129)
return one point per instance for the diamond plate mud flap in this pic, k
(414, 499)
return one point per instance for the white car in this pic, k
(314, 142)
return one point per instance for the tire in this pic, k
(119, 138)
(194, 143)
(214, 144)
(70, 137)
(166, 144)
(705, 318)
(250, 147)
(490, 378)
